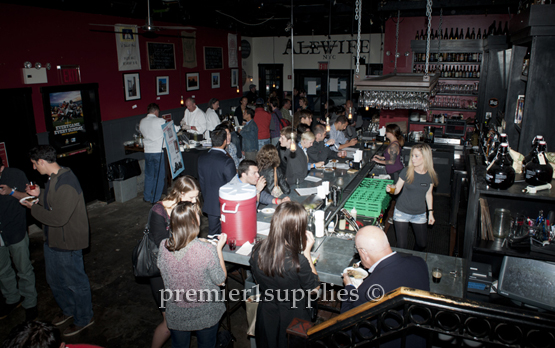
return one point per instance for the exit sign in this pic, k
(322, 65)
(69, 74)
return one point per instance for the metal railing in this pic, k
(405, 317)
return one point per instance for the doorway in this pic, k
(73, 122)
(315, 83)
(270, 79)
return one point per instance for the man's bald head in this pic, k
(372, 245)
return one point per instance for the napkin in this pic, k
(312, 178)
(245, 249)
(262, 228)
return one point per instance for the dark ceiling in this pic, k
(257, 18)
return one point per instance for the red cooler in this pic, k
(238, 212)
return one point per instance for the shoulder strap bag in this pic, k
(145, 255)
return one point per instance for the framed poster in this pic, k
(215, 80)
(131, 86)
(175, 158)
(213, 58)
(67, 119)
(234, 77)
(192, 82)
(162, 85)
(161, 56)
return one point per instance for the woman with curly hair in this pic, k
(268, 166)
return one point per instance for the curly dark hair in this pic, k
(267, 157)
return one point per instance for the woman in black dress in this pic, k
(282, 266)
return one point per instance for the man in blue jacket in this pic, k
(250, 136)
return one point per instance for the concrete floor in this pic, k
(125, 312)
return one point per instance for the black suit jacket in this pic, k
(215, 169)
(297, 165)
(319, 152)
(395, 271)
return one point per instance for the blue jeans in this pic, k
(65, 273)
(262, 142)
(206, 338)
(22, 263)
(155, 172)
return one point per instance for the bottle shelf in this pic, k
(448, 63)
(428, 123)
(456, 95)
(461, 78)
(451, 109)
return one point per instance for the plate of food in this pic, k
(31, 199)
(333, 161)
(356, 274)
(268, 211)
(328, 170)
(320, 168)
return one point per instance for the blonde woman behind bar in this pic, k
(415, 186)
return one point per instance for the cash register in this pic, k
(454, 132)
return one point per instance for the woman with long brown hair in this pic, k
(415, 186)
(268, 166)
(184, 189)
(283, 268)
(392, 155)
(192, 270)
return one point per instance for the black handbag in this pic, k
(145, 255)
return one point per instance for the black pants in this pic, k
(420, 235)
(215, 225)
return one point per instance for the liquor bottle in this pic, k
(451, 35)
(533, 153)
(461, 34)
(417, 37)
(440, 57)
(492, 29)
(467, 36)
(474, 56)
(449, 57)
(456, 34)
(473, 35)
(538, 170)
(474, 72)
(440, 36)
(499, 29)
(506, 30)
(422, 35)
(479, 36)
(485, 36)
(503, 139)
(500, 173)
(479, 57)
(445, 36)
(526, 63)
(477, 71)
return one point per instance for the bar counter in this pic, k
(335, 253)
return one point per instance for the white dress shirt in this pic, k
(151, 129)
(212, 120)
(196, 119)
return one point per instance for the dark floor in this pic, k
(125, 312)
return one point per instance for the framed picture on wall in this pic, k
(234, 77)
(216, 80)
(192, 82)
(131, 86)
(162, 85)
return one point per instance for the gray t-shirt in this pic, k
(412, 199)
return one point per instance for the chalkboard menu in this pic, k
(161, 56)
(213, 58)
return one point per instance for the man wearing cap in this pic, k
(251, 95)
(262, 118)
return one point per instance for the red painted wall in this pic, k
(65, 38)
(407, 31)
